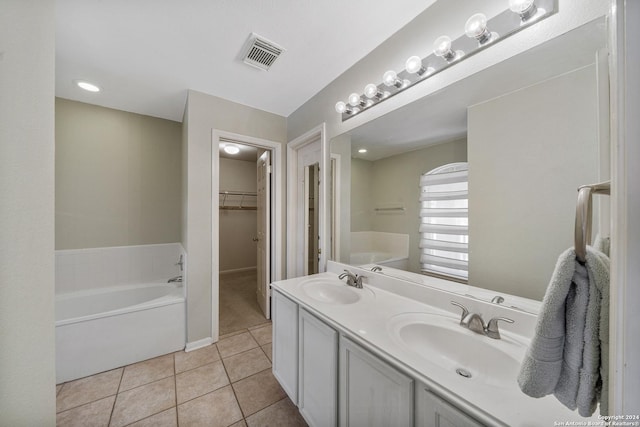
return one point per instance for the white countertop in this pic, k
(368, 323)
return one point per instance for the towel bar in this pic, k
(584, 214)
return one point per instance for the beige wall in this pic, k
(528, 152)
(361, 194)
(204, 113)
(395, 181)
(238, 228)
(27, 368)
(118, 178)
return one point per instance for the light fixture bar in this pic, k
(518, 15)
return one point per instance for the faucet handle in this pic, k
(465, 311)
(492, 327)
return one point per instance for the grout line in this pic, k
(175, 387)
(87, 403)
(113, 407)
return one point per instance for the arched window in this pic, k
(444, 222)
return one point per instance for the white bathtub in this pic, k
(102, 329)
(379, 258)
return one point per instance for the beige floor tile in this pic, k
(168, 418)
(196, 358)
(216, 409)
(230, 334)
(58, 388)
(236, 344)
(281, 414)
(200, 381)
(89, 389)
(268, 350)
(260, 325)
(141, 402)
(257, 392)
(239, 424)
(245, 364)
(146, 372)
(94, 414)
(262, 335)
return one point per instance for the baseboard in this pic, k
(238, 270)
(195, 345)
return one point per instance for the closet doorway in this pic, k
(245, 208)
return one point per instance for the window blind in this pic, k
(444, 221)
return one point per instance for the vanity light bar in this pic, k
(480, 33)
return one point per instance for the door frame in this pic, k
(313, 135)
(275, 207)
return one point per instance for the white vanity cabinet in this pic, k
(318, 371)
(285, 344)
(432, 411)
(372, 393)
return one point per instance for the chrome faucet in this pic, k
(474, 322)
(352, 279)
(177, 279)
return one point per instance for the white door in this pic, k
(263, 262)
(307, 156)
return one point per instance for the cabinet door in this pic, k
(285, 344)
(433, 411)
(318, 372)
(372, 393)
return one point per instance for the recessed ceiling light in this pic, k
(89, 87)
(231, 149)
(362, 150)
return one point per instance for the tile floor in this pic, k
(225, 384)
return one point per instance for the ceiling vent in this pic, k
(260, 52)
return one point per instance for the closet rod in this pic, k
(584, 215)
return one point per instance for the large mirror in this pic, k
(531, 129)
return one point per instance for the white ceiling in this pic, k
(145, 54)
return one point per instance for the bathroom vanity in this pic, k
(393, 353)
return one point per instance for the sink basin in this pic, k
(332, 291)
(440, 340)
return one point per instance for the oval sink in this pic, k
(334, 291)
(439, 339)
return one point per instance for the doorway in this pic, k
(244, 217)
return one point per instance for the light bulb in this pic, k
(354, 99)
(362, 150)
(525, 8)
(476, 26)
(442, 46)
(341, 107)
(231, 149)
(371, 91)
(390, 78)
(414, 66)
(89, 87)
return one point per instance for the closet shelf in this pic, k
(238, 200)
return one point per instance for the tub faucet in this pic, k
(177, 279)
(474, 322)
(352, 279)
(376, 268)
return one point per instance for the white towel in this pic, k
(594, 375)
(567, 355)
(554, 357)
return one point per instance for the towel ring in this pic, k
(584, 215)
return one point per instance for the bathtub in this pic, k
(105, 328)
(379, 258)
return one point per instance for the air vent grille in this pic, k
(261, 53)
